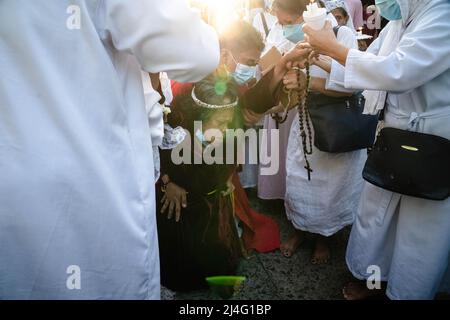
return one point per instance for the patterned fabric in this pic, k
(172, 137)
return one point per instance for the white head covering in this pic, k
(268, 4)
(330, 5)
(376, 100)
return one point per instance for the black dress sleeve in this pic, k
(260, 98)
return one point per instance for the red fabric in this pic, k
(180, 88)
(260, 232)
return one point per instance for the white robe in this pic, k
(77, 187)
(274, 187)
(155, 114)
(408, 238)
(328, 202)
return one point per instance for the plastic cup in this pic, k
(225, 286)
(317, 22)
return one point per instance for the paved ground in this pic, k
(273, 277)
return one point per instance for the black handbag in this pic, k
(410, 163)
(339, 123)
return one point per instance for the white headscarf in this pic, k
(330, 5)
(376, 100)
(268, 4)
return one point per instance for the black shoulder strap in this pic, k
(381, 114)
(263, 19)
(336, 30)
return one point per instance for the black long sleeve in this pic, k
(260, 98)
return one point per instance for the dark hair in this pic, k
(343, 11)
(291, 6)
(241, 36)
(216, 89)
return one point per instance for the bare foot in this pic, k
(359, 291)
(289, 247)
(321, 254)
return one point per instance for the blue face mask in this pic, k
(389, 9)
(243, 73)
(294, 32)
(201, 137)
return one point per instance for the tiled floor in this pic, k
(273, 277)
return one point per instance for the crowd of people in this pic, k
(115, 143)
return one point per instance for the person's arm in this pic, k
(322, 63)
(156, 85)
(260, 97)
(263, 96)
(154, 78)
(336, 77)
(420, 56)
(251, 118)
(296, 57)
(325, 42)
(174, 199)
(175, 196)
(165, 36)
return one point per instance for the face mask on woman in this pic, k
(389, 9)
(294, 32)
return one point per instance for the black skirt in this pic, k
(203, 243)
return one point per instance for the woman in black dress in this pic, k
(202, 240)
